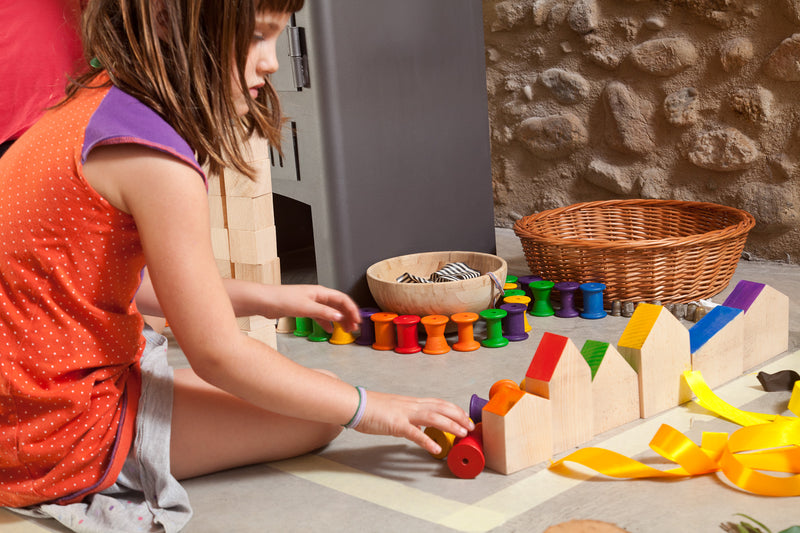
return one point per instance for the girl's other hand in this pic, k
(320, 303)
(404, 416)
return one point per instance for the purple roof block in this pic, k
(743, 295)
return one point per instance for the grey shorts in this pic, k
(145, 496)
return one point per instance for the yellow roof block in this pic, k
(640, 325)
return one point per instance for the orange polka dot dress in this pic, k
(70, 334)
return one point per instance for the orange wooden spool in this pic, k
(466, 340)
(434, 325)
(384, 331)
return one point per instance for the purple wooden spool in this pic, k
(476, 404)
(514, 322)
(567, 290)
(367, 335)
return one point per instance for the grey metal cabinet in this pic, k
(386, 151)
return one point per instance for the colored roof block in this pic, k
(711, 324)
(546, 358)
(502, 402)
(640, 325)
(743, 295)
(594, 352)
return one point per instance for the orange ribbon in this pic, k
(766, 443)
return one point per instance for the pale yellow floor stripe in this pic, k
(13, 523)
(523, 495)
(389, 494)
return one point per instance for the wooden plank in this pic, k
(237, 184)
(268, 272)
(216, 211)
(225, 268)
(268, 335)
(250, 213)
(215, 186)
(253, 247)
(220, 244)
(254, 323)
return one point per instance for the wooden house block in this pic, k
(517, 430)
(717, 345)
(216, 210)
(559, 373)
(656, 345)
(615, 386)
(249, 213)
(268, 272)
(253, 247)
(220, 243)
(766, 321)
(268, 335)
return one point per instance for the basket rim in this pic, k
(746, 223)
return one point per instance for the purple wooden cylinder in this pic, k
(367, 335)
(514, 322)
(476, 404)
(567, 290)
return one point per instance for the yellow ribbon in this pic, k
(710, 401)
(766, 443)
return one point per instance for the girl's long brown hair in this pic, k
(178, 57)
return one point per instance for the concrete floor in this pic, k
(368, 483)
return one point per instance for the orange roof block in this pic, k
(503, 400)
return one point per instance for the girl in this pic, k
(110, 181)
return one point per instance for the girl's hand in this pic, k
(320, 303)
(403, 416)
(308, 301)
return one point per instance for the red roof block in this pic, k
(547, 356)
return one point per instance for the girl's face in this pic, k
(262, 59)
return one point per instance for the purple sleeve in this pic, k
(121, 118)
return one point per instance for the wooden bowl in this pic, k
(445, 298)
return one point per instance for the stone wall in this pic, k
(674, 99)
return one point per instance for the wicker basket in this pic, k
(642, 250)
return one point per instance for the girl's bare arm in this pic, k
(168, 202)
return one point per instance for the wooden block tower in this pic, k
(517, 430)
(656, 345)
(717, 345)
(615, 386)
(559, 373)
(243, 232)
(766, 320)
